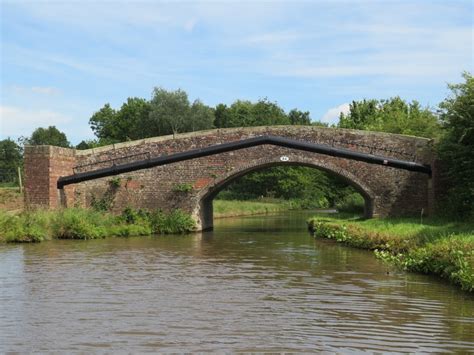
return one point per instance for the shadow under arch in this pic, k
(203, 212)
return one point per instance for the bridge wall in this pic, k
(388, 191)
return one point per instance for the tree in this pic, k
(244, 113)
(129, 123)
(10, 160)
(89, 143)
(201, 117)
(221, 116)
(132, 120)
(48, 136)
(102, 122)
(266, 113)
(298, 117)
(10, 154)
(456, 148)
(169, 111)
(393, 116)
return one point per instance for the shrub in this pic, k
(25, 227)
(176, 221)
(74, 223)
(183, 188)
(133, 216)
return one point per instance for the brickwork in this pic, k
(43, 166)
(388, 191)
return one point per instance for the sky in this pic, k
(61, 61)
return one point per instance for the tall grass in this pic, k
(436, 246)
(76, 223)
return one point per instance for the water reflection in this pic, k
(254, 284)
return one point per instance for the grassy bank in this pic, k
(11, 199)
(435, 246)
(75, 223)
(234, 208)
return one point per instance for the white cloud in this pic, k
(189, 25)
(273, 38)
(41, 90)
(17, 121)
(44, 90)
(332, 115)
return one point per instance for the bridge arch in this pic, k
(203, 209)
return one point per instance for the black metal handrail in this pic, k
(246, 143)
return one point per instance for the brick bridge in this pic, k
(387, 191)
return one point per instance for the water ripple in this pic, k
(230, 290)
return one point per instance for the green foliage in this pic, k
(352, 202)
(10, 155)
(456, 149)
(77, 223)
(93, 143)
(169, 111)
(312, 188)
(393, 116)
(130, 230)
(128, 123)
(102, 122)
(245, 114)
(183, 188)
(436, 247)
(48, 136)
(223, 208)
(134, 216)
(309, 203)
(174, 222)
(201, 117)
(10, 159)
(25, 227)
(115, 182)
(298, 117)
(105, 202)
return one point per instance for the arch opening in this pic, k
(204, 212)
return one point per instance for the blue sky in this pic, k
(63, 60)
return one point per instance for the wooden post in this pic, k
(19, 180)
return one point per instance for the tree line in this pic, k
(171, 112)
(451, 125)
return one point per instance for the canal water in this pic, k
(253, 284)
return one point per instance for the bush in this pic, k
(132, 216)
(75, 223)
(25, 227)
(176, 221)
(183, 188)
